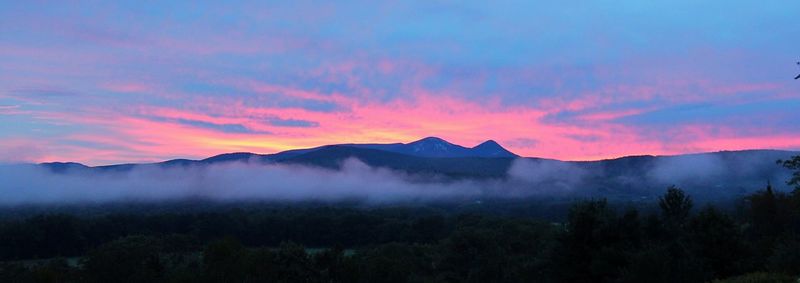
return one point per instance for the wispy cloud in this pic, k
(554, 80)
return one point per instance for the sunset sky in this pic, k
(102, 82)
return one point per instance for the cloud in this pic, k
(227, 128)
(581, 81)
(292, 123)
(16, 151)
(202, 130)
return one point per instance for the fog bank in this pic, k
(708, 175)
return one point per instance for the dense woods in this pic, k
(755, 241)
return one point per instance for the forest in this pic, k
(755, 240)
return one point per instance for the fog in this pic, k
(35, 184)
(532, 177)
(687, 168)
(743, 172)
(227, 181)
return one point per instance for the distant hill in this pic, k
(705, 175)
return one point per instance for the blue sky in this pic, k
(104, 82)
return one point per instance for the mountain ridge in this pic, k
(437, 147)
(428, 147)
(708, 175)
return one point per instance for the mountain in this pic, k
(437, 147)
(491, 148)
(427, 156)
(456, 167)
(713, 175)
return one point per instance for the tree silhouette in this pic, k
(129, 259)
(793, 164)
(675, 205)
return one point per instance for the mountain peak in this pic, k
(491, 148)
(434, 147)
(488, 143)
(430, 146)
(430, 140)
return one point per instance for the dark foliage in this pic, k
(794, 165)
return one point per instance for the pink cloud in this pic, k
(21, 150)
(149, 133)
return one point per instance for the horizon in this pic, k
(410, 142)
(131, 82)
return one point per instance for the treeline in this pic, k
(65, 235)
(596, 243)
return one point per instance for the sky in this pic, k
(138, 81)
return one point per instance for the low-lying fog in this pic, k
(35, 184)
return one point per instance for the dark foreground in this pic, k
(596, 242)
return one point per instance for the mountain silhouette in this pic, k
(437, 147)
(491, 148)
(734, 172)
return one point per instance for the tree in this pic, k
(767, 212)
(590, 250)
(395, 262)
(717, 241)
(793, 164)
(785, 258)
(128, 259)
(223, 260)
(294, 264)
(335, 266)
(675, 206)
(428, 229)
(54, 270)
